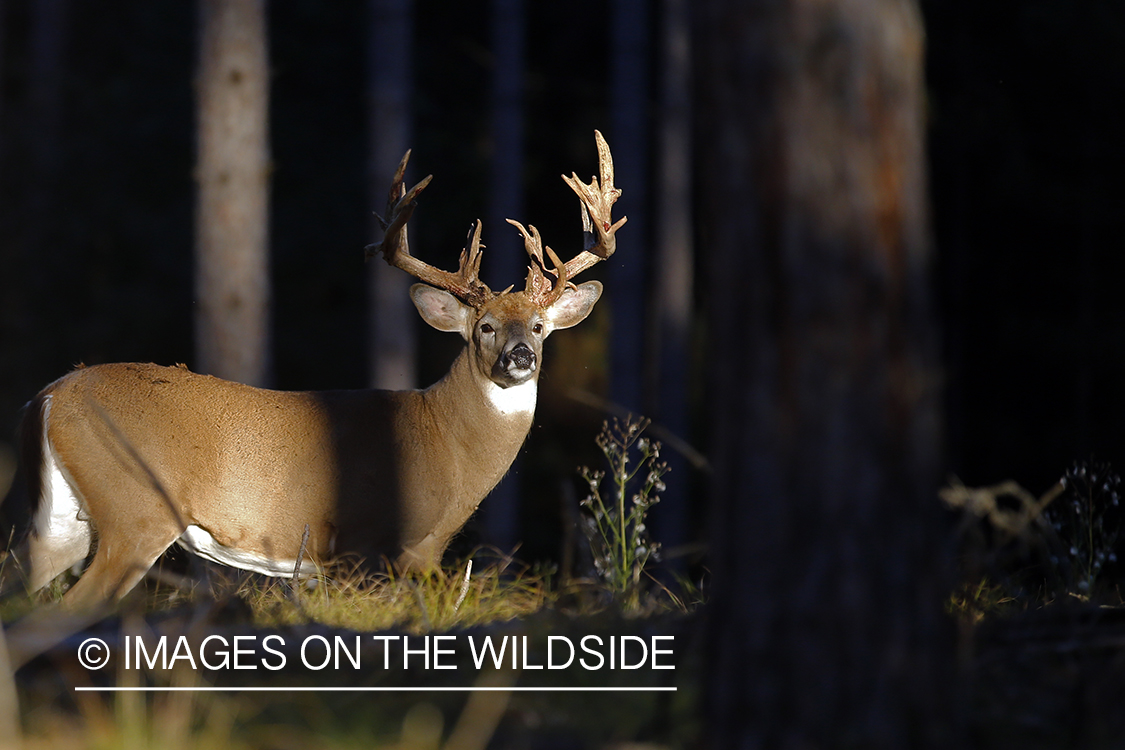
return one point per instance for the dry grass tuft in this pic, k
(443, 599)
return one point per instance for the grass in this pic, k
(973, 601)
(440, 600)
(496, 590)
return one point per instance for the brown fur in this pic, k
(150, 450)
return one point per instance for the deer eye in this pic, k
(537, 328)
(486, 328)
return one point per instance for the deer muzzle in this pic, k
(521, 357)
(516, 364)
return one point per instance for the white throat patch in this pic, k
(519, 399)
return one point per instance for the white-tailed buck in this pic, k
(125, 459)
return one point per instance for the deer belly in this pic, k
(198, 540)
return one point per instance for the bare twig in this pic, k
(300, 555)
(294, 594)
(464, 586)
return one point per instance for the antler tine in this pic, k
(395, 247)
(561, 283)
(542, 290)
(400, 207)
(468, 267)
(597, 205)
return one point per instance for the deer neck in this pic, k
(476, 433)
(480, 425)
(482, 408)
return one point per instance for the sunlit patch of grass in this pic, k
(442, 599)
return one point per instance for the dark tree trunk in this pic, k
(232, 211)
(393, 346)
(629, 137)
(507, 260)
(32, 154)
(3, 47)
(671, 319)
(48, 52)
(826, 544)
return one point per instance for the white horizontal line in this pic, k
(332, 689)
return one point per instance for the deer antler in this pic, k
(598, 228)
(539, 288)
(395, 247)
(598, 231)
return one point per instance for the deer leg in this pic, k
(119, 564)
(49, 556)
(132, 521)
(421, 557)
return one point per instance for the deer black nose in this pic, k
(521, 357)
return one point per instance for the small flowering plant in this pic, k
(615, 525)
(1087, 519)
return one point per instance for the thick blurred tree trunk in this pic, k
(3, 48)
(392, 345)
(232, 211)
(826, 544)
(671, 320)
(507, 262)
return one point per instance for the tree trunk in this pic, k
(393, 346)
(34, 154)
(629, 137)
(826, 543)
(671, 319)
(507, 259)
(232, 214)
(48, 51)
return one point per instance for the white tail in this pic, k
(126, 459)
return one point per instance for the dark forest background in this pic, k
(96, 207)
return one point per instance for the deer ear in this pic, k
(440, 309)
(574, 305)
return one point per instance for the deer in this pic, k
(125, 460)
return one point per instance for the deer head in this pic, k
(505, 330)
